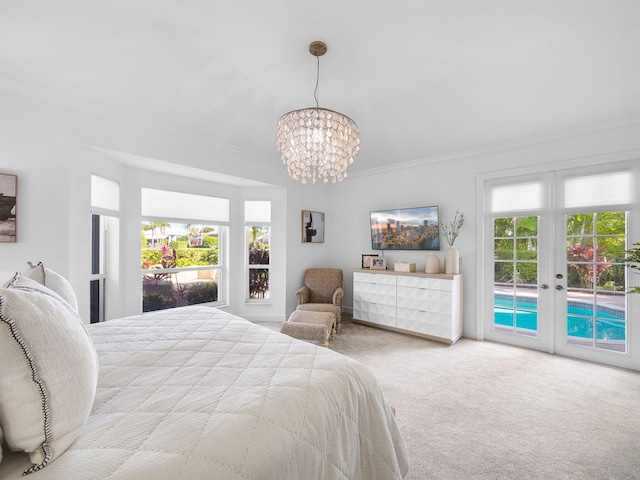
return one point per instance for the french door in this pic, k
(555, 275)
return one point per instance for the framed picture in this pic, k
(366, 259)
(378, 263)
(312, 227)
(8, 207)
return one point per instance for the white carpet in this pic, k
(481, 410)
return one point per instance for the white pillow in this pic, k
(53, 281)
(49, 371)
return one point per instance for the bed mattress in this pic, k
(198, 393)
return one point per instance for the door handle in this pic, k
(544, 286)
(559, 287)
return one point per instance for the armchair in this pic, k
(322, 292)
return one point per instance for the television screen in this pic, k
(405, 229)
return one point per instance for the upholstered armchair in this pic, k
(322, 292)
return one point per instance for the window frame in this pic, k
(221, 268)
(260, 217)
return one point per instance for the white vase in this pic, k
(451, 260)
(432, 264)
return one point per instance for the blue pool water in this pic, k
(609, 324)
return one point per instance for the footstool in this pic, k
(308, 325)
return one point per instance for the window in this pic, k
(105, 206)
(258, 240)
(183, 249)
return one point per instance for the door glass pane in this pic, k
(596, 302)
(516, 275)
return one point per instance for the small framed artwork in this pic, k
(8, 207)
(366, 259)
(312, 227)
(378, 263)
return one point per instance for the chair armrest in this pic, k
(303, 295)
(337, 296)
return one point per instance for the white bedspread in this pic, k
(197, 393)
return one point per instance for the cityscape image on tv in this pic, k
(405, 229)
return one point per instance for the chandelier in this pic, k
(317, 143)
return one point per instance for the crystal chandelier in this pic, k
(317, 143)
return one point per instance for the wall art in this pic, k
(8, 207)
(312, 227)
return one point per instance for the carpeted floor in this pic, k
(481, 410)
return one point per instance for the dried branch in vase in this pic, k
(451, 230)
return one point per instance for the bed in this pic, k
(196, 392)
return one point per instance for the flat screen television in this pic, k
(405, 229)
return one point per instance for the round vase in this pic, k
(451, 261)
(432, 264)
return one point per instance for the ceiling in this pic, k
(421, 78)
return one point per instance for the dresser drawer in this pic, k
(374, 278)
(439, 284)
(374, 293)
(435, 301)
(427, 323)
(375, 313)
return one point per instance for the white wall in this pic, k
(46, 146)
(451, 183)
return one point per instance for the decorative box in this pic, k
(404, 267)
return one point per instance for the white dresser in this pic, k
(422, 304)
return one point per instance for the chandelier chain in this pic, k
(315, 92)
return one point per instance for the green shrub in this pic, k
(156, 301)
(150, 257)
(211, 241)
(189, 257)
(203, 292)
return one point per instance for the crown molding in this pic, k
(48, 96)
(512, 145)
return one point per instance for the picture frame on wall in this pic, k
(366, 259)
(378, 263)
(312, 227)
(8, 208)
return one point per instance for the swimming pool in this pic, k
(609, 324)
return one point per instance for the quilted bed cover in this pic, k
(198, 393)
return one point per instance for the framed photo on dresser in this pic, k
(367, 258)
(378, 263)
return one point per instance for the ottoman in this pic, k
(309, 325)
